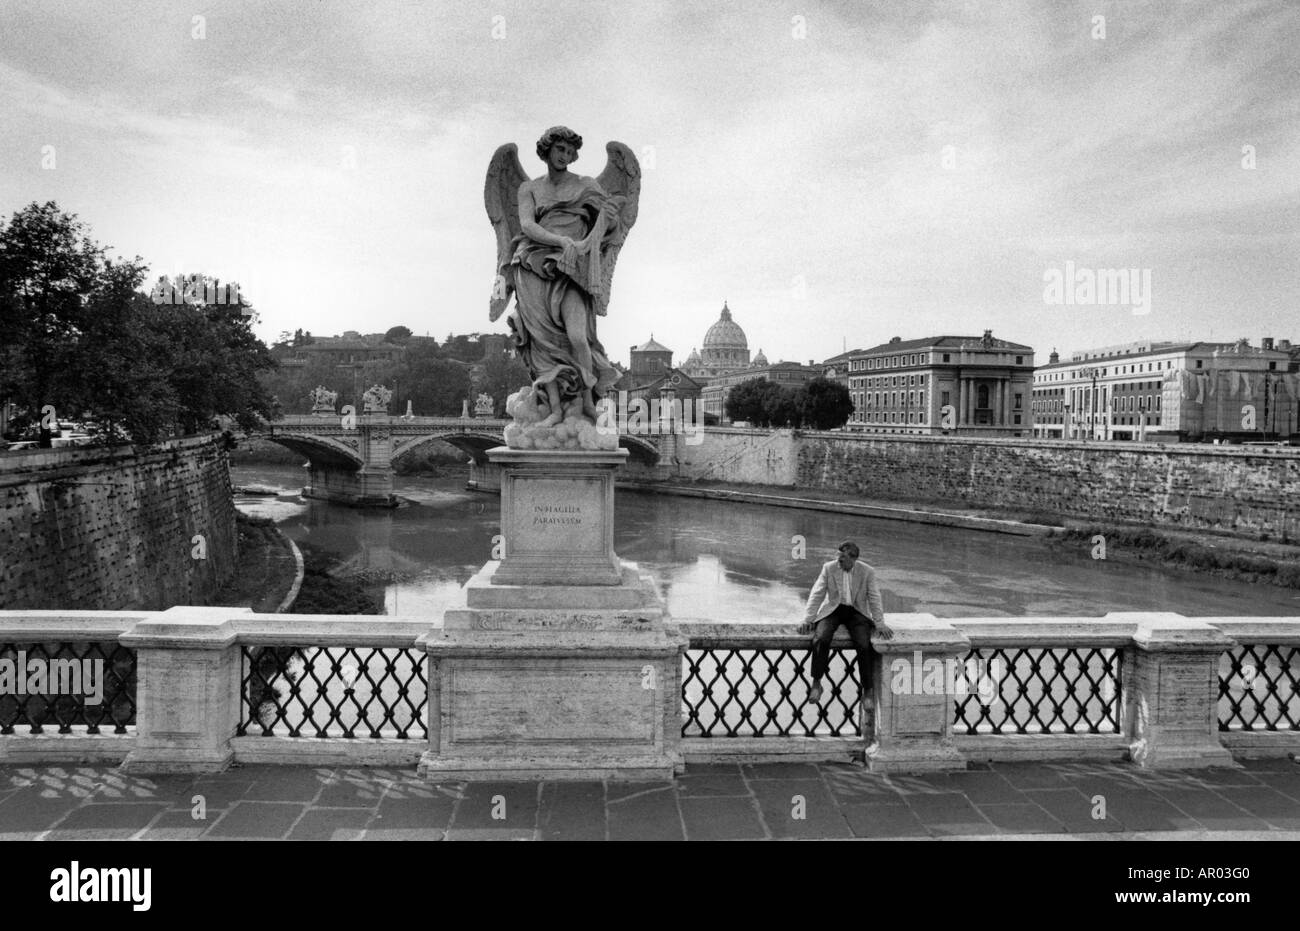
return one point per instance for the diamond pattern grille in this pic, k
(333, 691)
(1258, 688)
(115, 713)
(764, 693)
(1037, 690)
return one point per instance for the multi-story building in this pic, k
(964, 385)
(1169, 391)
(790, 374)
(349, 349)
(651, 371)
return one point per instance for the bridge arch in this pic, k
(322, 450)
(473, 444)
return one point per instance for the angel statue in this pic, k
(558, 238)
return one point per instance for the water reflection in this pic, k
(729, 561)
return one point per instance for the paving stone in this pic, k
(32, 810)
(1023, 818)
(403, 834)
(949, 813)
(1281, 811)
(263, 820)
(617, 790)
(721, 819)
(516, 800)
(1031, 776)
(1285, 782)
(1272, 764)
(351, 791)
(854, 784)
(175, 824)
(117, 787)
(572, 811)
(715, 781)
(780, 800)
(650, 815)
(985, 788)
(331, 824)
(1212, 811)
(107, 822)
(481, 834)
(1214, 777)
(1074, 810)
(781, 771)
(883, 820)
(289, 784)
(218, 792)
(1140, 810)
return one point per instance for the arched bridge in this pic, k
(351, 457)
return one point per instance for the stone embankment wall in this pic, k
(757, 457)
(1253, 491)
(114, 529)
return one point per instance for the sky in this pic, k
(839, 172)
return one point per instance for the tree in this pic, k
(84, 341)
(398, 335)
(824, 404)
(49, 269)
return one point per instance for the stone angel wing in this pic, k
(501, 198)
(621, 180)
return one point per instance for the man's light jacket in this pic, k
(828, 592)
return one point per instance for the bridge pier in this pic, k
(484, 476)
(364, 487)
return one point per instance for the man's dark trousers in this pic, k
(860, 627)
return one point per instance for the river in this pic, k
(729, 561)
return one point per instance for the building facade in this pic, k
(1170, 392)
(651, 371)
(965, 385)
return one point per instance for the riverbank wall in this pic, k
(120, 528)
(1244, 491)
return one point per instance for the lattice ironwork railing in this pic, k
(1039, 690)
(1259, 688)
(331, 691)
(739, 692)
(67, 685)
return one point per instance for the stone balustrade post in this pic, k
(187, 690)
(1172, 707)
(914, 691)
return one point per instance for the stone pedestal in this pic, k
(557, 516)
(914, 717)
(1172, 704)
(557, 661)
(187, 691)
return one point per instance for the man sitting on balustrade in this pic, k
(845, 593)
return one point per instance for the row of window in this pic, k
(887, 381)
(914, 358)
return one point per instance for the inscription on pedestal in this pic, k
(554, 515)
(1182, 689)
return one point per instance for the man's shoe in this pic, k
(815, 693)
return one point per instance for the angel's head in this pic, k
(569, 141)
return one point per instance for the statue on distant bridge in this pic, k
(375, 399)
(323, 401)
(558, 239)
(483, 406)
